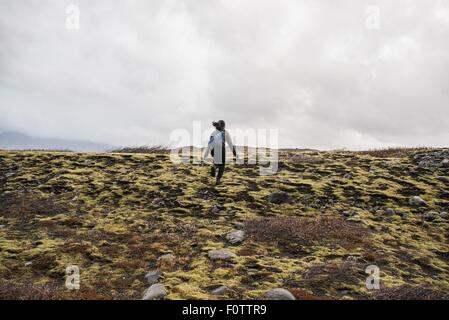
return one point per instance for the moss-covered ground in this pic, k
(114, 215)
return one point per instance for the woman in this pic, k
(216, 147)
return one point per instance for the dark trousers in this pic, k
(221, 168)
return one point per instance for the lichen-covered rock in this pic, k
(221, 255)
(236, 236)
(155, 292)
(279, 294)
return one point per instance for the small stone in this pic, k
(348, 213)
(445, 163)
(27, 264)
(279, 294)
(236, 236)
(417, 201)
(221, 290)
(157, 201)
(153, 276)
(444, 215)
(2, 226)
(429, 216)
(390, 212)
(279, 197)
(221, 255)
(215, 209)
(347, 176)
(155, 292)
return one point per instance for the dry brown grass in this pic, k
(26, 204)
(304, 158)
(10, 291)
(142, 149)
(306, 231)
(407, 292)
(392, 152)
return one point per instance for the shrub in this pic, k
(306, 231)
(142, 149)
(26, 204)
(408, 292)
(392, 152)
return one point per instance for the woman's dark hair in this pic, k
(219, 125)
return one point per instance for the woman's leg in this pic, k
(221, 168)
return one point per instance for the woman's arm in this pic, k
(231, 145)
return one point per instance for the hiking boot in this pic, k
(212, 171)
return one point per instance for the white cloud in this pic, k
(137, 70)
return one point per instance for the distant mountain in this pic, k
(20, 141)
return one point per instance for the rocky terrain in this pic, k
(139, 226)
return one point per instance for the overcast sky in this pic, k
(319, 71)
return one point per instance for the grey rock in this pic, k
(417, 201)
(429, 216)
(279, 294)
(279, 197)
(390, 212)
(445, 163)
(221, 254)
(348, 213)
(235, 236)
(27, 264)
(157, 201)
(347, 176)
(155, 292)
(444, 215)
(221, 290)
(153, 277)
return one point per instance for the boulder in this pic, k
(235, 236)
(417, 201)
(221, 290)
(155, 292)
(279, 197)
(221, 255)
(279, 294)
